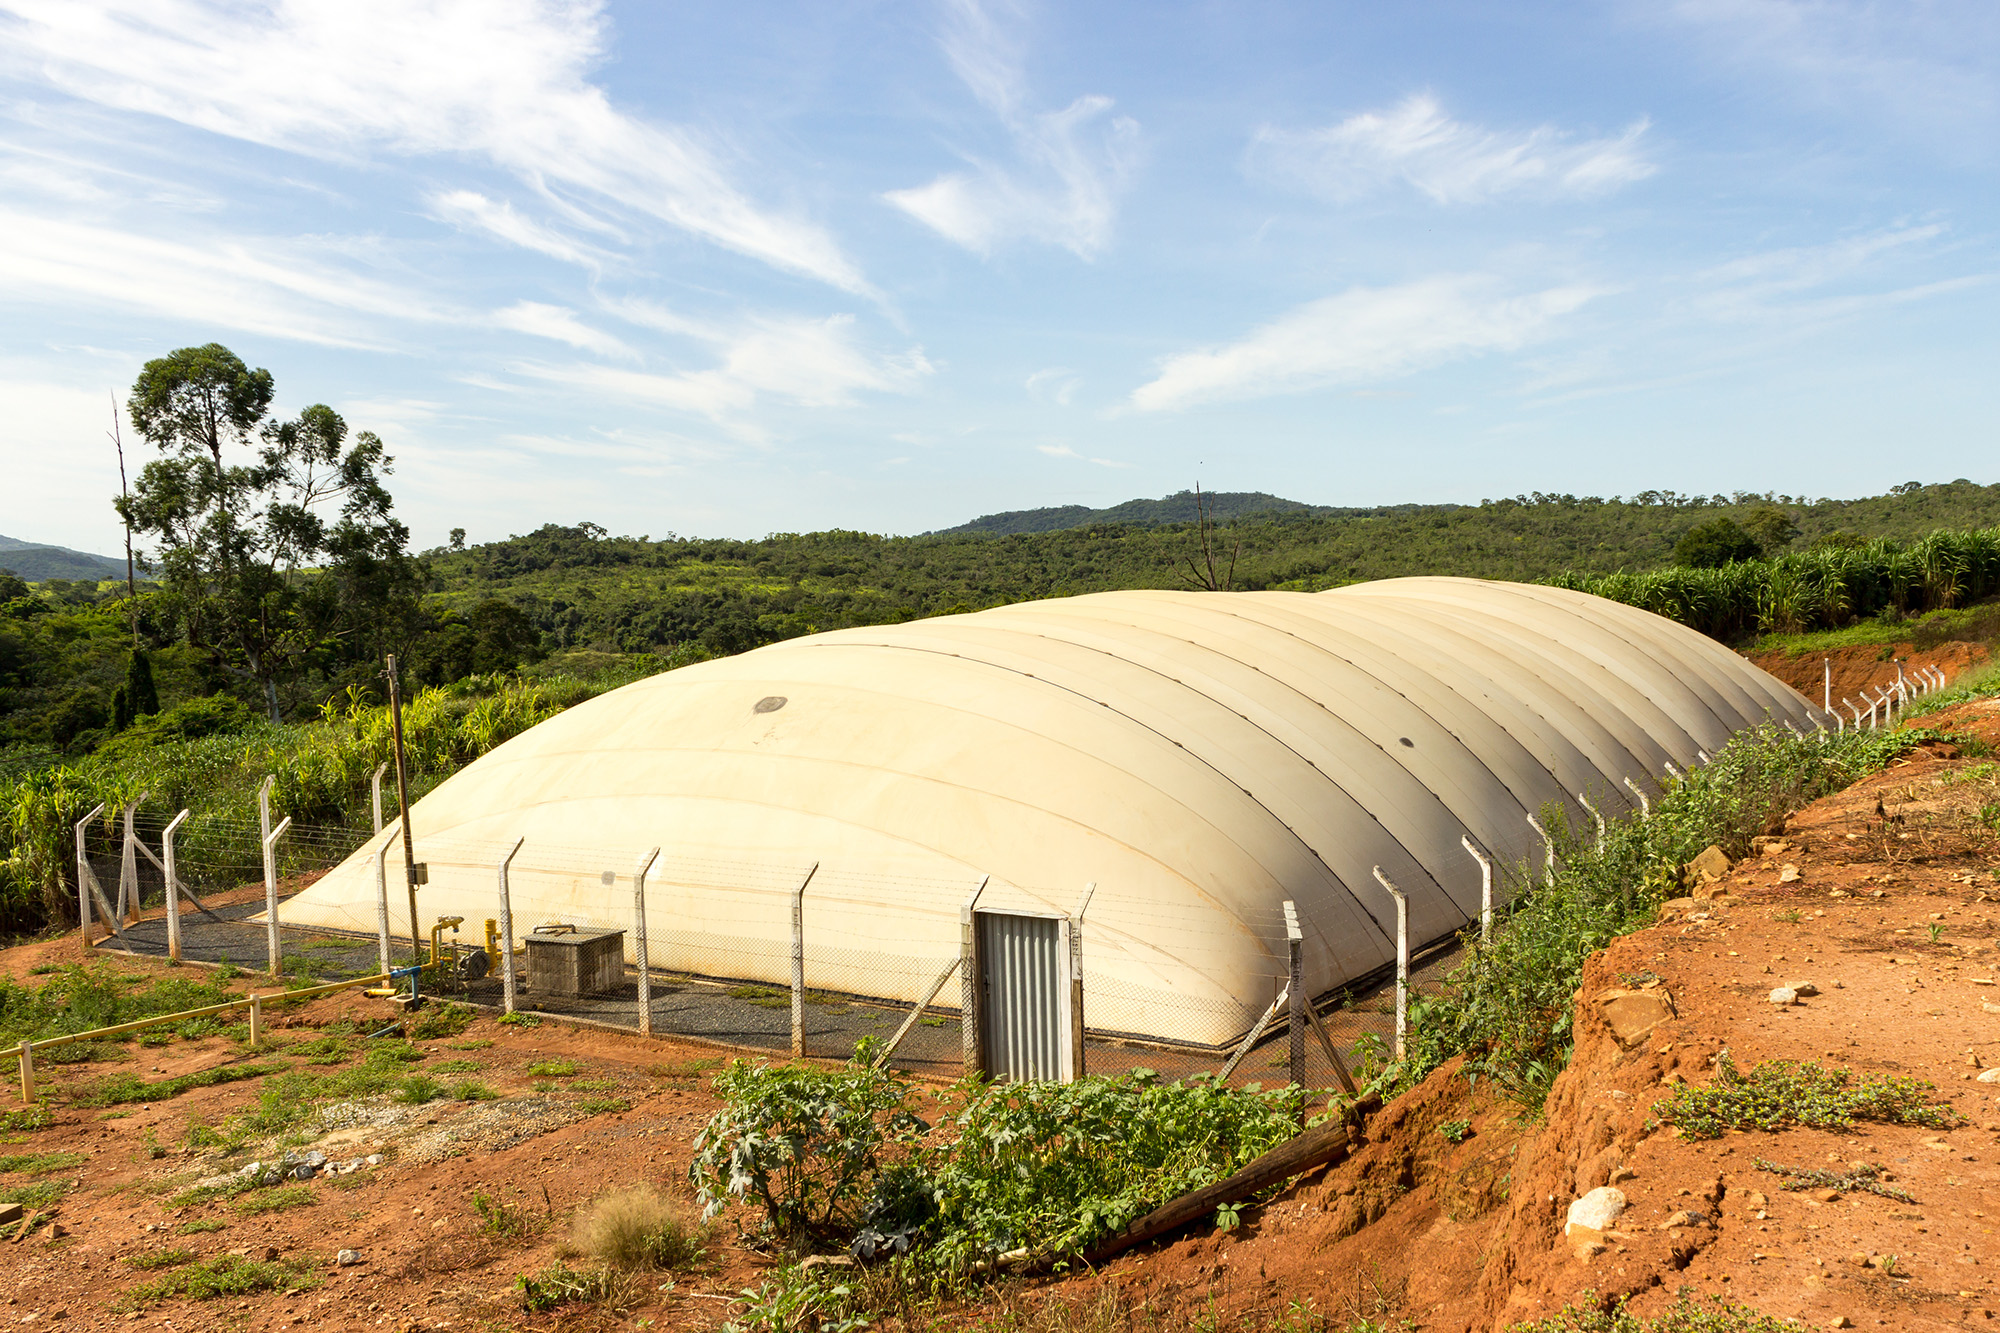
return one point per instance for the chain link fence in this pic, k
(719, 942)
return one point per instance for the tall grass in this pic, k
(322, 772)
(1508, 1006)
(1820, 588)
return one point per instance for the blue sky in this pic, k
(727, 269)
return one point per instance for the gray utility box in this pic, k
(575, 963)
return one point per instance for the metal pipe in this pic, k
(1675, 773)
(507, 929)
(273, 946)
(83, 874)
(1485, 886)
(1402, 960)
(375, 793)
(173, 887)
(639, 953)
(381, 860)
(403, 807)
(1076, 1042)
(1295, 987)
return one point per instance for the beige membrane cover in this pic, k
(1200, 757)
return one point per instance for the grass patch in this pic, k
(223, 1275)
(642, 1228)
(602, 1105)
(1686, 1315)
(41, 1163)
(471, 1044)
(519, 1020)
(1862, 1179)
(416, 1089)
(276, 1200)
(595, 1085)
(38, 1195)
(456, 1067)
(1779, 1094)
(325, 1050)
(442, 1020)
(78, 998)
(26, 1119)
(690, 1068)
(501, 1220)
(200, 1225)
(559, 1285)
(123, 1089)
(553, 1068)
(158, 1259)
(201, 1194)
(472, 1090)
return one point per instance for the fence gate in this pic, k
(1024, 977)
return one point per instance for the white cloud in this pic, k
(1053, 385)
(501, 80)
(473, 211)
(289, 289)
(1792, 285)
(1064, 451)
(1363, 334)
(798, 360)
(551, 321)
(1417, 144)
(1061, 187)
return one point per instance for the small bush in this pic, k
(559, 1285)
(159, 1259)
(26, 1119)
(796, 1299)
(552, 1068)
(121, 1089)
(38, 1195)
(1781, 1093)
(498, 1219)
(603, 1105)
(441, 1020)
(639, 1228)
(416, 1089)
(455, 1067)
(472, 1090)
(199, 1225)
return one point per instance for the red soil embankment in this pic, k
(1866, 666)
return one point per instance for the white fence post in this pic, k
(1548, 847)
(382, 905)
(1675, 773)
(799, 964)
(506, 931)
(1702, 755)
(1645, 806)
(971, 1048)
(1485, 886)
(1402, 960)
(173, 887)
(1596, 816)
(375, 795)
(28, 1072)
(274, 947)
(1295, 988)
(1076, 1045)
(83, 878)
(639, 955)
(1826, 684)
(128, 858)
(256, 1020)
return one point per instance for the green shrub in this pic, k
(552, 1068)
(222, 1275)
(441, 1020)
(1686, 1315)
(122, 1089)
(158, 1259)
(276, 1200)
(416, 1089)
(1781, 1093)
(559, 1285)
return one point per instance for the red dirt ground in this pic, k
(1866, 667)
(1411, 1227)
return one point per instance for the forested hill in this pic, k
(1221, 506)
(34, 562)
(582, 587)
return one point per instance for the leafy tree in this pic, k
(1714, 544)
(140, 692)
(1772, 528)
(254, 572)
(10, 586)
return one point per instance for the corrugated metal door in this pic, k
(1026, 1002)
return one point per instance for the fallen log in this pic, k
(1326, 1143)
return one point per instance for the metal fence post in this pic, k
(83, 875)
(1548, 847)
(173, 887)
(799, 963)
(639, 955)
(1673, 772)
(273, 946)
(971, 1047)
(1585, 800)
(1076, 1044)
(1402, 960)
(1295, 986)
(382, 904)
(1826, 684)
(506, 930)
(375, 797)
(1645, 806)
(128, 857)
(1485, 886)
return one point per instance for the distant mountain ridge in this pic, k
(33, 561)
(1179, 507)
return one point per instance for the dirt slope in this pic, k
(1871, 667)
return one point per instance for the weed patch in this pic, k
(41, 1163)
(416, 1089)
(38, 1195)
(472, 1090)
(603, 1105)
(158, 1259)
(552, 1068)
(121, 1089)
(223, 1275)
(500, 1220)
(641, 1228)
(441, 1020)
(559, 1285)
(455, 1067)
(276, 1200)
(26, 1119)
(1781, 1093)
(1685, 1315)
(1862, 1179)
(199, 1226)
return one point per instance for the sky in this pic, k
(730, 269)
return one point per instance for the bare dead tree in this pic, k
(1203, 574)
(125, 492)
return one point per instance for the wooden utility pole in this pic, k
(410, 875)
